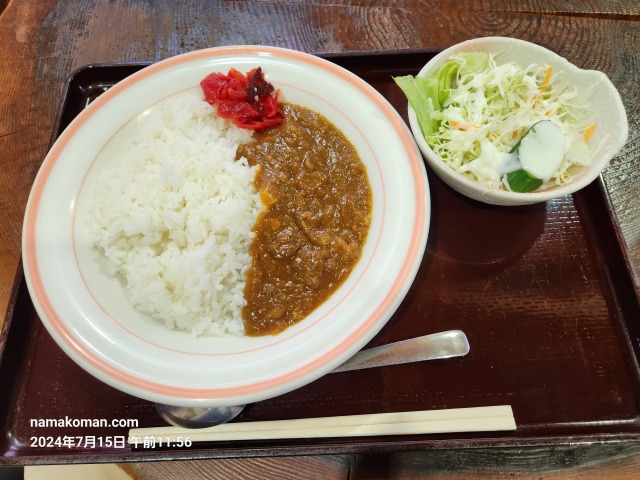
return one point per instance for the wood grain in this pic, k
(328, 467)
(43, 41)
(24, 128)
(566, 462)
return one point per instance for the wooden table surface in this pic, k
(43, 41)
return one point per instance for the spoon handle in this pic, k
(448, 344)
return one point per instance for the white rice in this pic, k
(174, 218)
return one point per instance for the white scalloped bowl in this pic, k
(87, 312)
(605, 100)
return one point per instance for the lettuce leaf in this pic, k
(427, 95)
(422, 94)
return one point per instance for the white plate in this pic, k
(87, 312)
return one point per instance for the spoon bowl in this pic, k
(197, 417)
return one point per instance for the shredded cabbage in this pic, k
(481, 110)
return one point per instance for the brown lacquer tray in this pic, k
(543, 293)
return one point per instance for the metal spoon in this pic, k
(197, 417)
(448, 344)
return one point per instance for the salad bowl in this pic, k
(606, 136)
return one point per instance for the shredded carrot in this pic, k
(545, 82)
(534, 100)
(514, 134)
(462, 125)
(589, 131)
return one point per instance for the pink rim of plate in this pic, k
(38, 290)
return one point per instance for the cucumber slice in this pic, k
(522, 181)
(540, 153)
(541, 150)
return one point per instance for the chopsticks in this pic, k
(474, 419)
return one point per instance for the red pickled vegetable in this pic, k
(258, 86)
(247, 99)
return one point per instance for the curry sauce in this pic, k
(317, 212)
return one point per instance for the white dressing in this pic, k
(487, 166)
(509, 163)
(542, 149)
